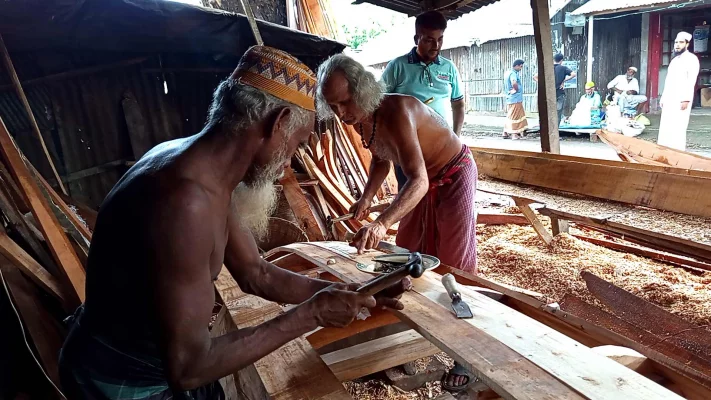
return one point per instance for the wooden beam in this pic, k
(59, 202)
(525, 207)
(501, 219)
(25, 263)
(649, 253)
(378, 355)
(31, 117)
(298, 203)
(670, 192)
(295, 370)
(644, 167)
(58, 242)
(550, 140)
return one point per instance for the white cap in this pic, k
(633, 69)
(683, 36)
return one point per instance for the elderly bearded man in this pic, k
(167, 227)
(435, 207)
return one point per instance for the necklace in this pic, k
(372, 137)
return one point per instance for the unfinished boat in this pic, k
(641, 151)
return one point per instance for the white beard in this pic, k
(255, 201)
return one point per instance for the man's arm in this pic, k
(183, 293)
(613, 83)
(378, 172)
(458, 111)
(261, 278)
(457, 100)
(570, 75)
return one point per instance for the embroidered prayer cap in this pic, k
(633, 69)
(279, 74)
(683, 36)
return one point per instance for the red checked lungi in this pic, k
(443, 224)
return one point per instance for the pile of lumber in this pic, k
(44, 244)
(336, 168)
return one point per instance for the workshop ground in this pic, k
(484, 130)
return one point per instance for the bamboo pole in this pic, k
(21, 94)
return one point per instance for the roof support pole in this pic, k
(591, 19)
(550, 141)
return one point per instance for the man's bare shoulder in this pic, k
(401, 103)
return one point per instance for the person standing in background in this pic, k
(424, 74)
(562, 74)
(678, 93)
(516, 122)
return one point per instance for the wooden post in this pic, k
(589, 70)
(550, 142)
(252, 22)
(21, 94)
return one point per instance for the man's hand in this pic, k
(389, 297)
(369, 236)
(336, 307)
(618, 91)
(360, 208)
(684, 105)
(562, 84)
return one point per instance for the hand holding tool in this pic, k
(461, 309)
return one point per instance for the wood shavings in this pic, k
(689, 227)
(377, 389)
(515, 255)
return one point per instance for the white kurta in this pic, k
(678, 87)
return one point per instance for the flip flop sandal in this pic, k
(458, 370)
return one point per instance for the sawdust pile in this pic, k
(377, 389)
(515, 255)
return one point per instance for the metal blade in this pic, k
(461, 309)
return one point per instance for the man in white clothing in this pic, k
(678, 94)
(626, 88)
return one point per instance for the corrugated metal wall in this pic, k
(82, 119)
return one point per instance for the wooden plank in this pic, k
(595, 377)
(59, 202)
(670, 192)
(86, 213)
(525, 207)
(357, 174)
(621, 164)
(501, 219)
(646, 152)
(25, 263)
(295, 370)
(502, 369)
(649, 253)
(19, 224)
(58, 242)
(550, 140)
(43, 330)
(326, 336)
(307, 220)
(378, 355)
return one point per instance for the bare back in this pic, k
(438, 142)
(121, 269)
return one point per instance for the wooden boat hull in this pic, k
(641, 151)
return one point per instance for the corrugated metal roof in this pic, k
(597, 7)
(413, 7)
(488, 22)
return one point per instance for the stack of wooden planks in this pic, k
(43, 249)
(339, 165)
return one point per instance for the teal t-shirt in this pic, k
(439, 80)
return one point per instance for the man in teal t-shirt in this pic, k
(424, 74)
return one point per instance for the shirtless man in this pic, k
(436, 205)
(167, 227)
